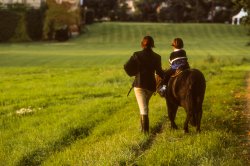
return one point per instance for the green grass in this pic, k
(81, 115)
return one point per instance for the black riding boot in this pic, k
(144, 124)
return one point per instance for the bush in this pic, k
(222, 16)
(59, 16)
(89, 16)
(8, 24)
(62, 34)
(13, 23)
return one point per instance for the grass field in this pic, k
(65, 103)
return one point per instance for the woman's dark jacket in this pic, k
(149, 63)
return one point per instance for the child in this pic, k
(178, 58)
(178, 61)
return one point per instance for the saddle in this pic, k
(161, 86)
(178, 72)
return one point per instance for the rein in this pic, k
(173, 88)
(177, 73)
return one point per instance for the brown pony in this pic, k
(186, 89)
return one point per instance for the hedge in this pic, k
(8, 23)
(34, 23)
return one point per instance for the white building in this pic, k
(131, 6)
(37, 3)
(237, 18)
(32, 3)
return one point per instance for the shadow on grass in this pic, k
(38, 156)
(145, 145)
(98, 95)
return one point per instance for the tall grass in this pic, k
(79, 113)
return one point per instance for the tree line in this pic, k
(54, 21)
(164, 10)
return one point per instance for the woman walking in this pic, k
(144, 65)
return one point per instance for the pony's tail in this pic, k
(196, 96)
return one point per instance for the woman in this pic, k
(178, 58)
(148, 63)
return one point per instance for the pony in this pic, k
(186, 89)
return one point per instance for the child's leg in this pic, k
(163, 86)
(168, 74)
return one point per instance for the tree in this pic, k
(176, 10)
(58, 17)
(184, 11)
(101, 8)
(220, 11)
(148, 10)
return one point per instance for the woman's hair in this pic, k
(177, 43)
(147, 42)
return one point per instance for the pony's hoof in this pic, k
(174, 127)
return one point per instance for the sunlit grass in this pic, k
(82, 116)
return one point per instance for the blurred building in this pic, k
(32, 3)
(74, 4)
(37, 3)
(131, 7)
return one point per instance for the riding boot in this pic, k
(164, 85)
(163, 90)
(144, 124)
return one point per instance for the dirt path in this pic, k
(248, 111)
(246, 125)
(248, 107)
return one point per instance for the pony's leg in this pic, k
(172, 109)
(198, 112)
(189, 114)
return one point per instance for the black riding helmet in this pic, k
(177, 43)
(148, 42)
